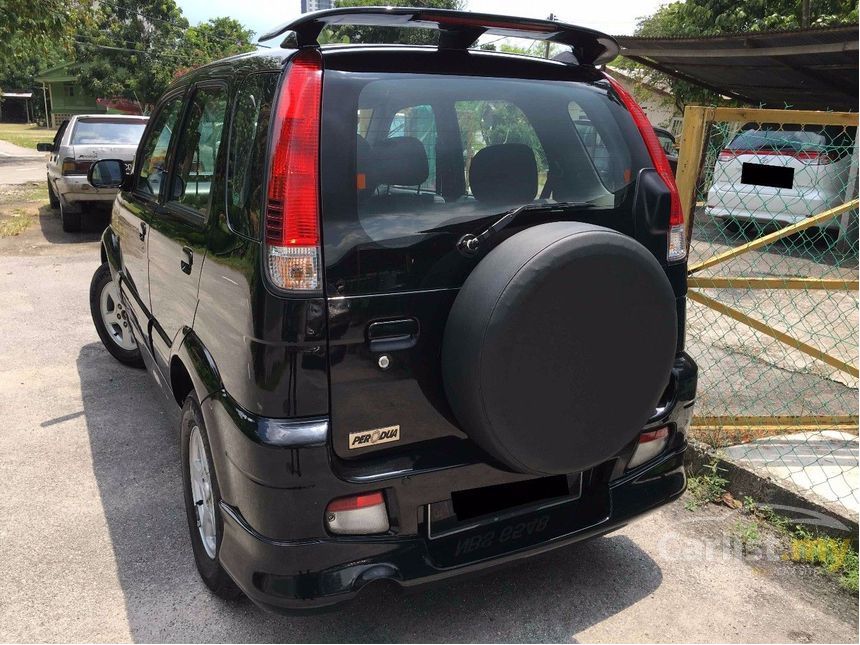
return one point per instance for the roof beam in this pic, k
(744, 52)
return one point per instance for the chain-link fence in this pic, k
(772, 318)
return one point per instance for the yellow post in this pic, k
(690, 158)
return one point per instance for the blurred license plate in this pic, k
(757, 174)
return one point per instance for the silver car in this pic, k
(79, 142)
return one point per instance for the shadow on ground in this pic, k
(93, 223)
(132, 432)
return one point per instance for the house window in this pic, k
(68, 90)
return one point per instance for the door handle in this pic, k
(188, 260)
(142, 233)
(392, 335)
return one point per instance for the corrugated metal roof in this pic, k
(805, 68)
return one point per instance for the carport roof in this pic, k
(804, 69)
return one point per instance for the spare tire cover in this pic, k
(558, 347)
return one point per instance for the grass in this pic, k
(835, 555)
(27, 136)
(16, 224)
(707, 487)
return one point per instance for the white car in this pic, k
(781, 174)
(79, 142)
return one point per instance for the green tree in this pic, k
(137, 47)
(211, 40)
(694, 18)
(132, 49)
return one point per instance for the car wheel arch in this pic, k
(193, 368)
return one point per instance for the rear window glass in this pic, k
(436, 156)
(781, 138)
(108, 132)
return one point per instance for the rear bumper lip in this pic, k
(336, 570)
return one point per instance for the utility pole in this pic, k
(546, 44)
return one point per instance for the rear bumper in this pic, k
(73, 189)
(285, 576)
(276, 547)
(764, 204)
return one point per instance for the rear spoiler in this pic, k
(457, 29)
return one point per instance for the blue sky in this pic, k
(611, 16)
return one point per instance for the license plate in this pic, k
(757, 174)
(495, 538)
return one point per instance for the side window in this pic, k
(488, 123)
(247, 162)
(197, 151)
(153, 158)
(60, 132)
(417, 122)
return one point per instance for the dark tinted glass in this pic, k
(430, 157)
(197, 152)
(153, 161)
(247, 160)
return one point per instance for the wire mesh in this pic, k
(777, 357)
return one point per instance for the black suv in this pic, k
(416, 324)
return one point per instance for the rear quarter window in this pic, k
(246, 164)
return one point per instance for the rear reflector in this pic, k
(651, 444)
(357, 515)
(292, 206)
(677, 232)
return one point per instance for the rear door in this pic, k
(410, 163)
(135, 209)
(177, 237)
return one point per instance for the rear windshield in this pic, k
(436, 155)
(108, 131)
(784, 138)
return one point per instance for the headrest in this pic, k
(504, 174)
(363, 162)
(400, 161)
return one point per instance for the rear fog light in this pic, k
(357, 515)
(651, 444)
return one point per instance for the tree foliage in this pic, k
(121, 48)
(694, 18)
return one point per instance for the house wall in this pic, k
(658, 106)
(68, 99)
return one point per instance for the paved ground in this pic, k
(824, 463)
(19, 165)
(95, 544)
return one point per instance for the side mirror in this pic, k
(45, 147)
(109, 173)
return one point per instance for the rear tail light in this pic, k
(72, 167)
(677, 232)
(292, 206)
(357, 515)
(651, 444)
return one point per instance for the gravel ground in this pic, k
(95, 543)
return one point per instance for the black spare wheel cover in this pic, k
(558, 347)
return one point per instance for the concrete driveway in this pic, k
(95, 547)
(19, 165)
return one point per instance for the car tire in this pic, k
(71, 220)
(114, 329)
(202, 501)
(52, 196)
